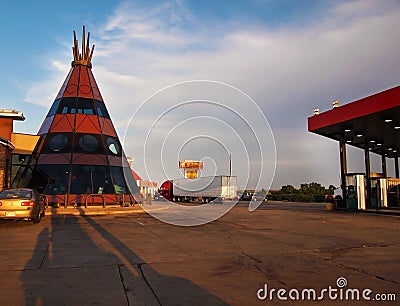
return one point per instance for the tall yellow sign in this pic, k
(191, 168)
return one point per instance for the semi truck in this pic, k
(203, 189)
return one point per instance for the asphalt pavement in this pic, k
(277, 255)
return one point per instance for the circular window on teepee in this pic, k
(113, 146)
(88, 143)
(58, 142)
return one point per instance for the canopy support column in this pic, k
(384, 171)
(343, 166)
(367, 176)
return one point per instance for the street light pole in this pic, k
(230, 164)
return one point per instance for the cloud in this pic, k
(325, 58)
(43, 92)
(347, 52)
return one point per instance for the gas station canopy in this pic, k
(372, 122)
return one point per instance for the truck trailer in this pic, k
(203, 189)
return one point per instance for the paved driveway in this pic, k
(136, 259)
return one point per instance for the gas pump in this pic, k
(376, 189)
(383, 201)
(355, 191)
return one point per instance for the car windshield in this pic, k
(16, 194)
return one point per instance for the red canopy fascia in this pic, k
(372, 104)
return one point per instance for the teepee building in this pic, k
(79, 154)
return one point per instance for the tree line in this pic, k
(312, 192)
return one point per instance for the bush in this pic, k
(313, 192)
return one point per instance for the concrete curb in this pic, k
(94, 211)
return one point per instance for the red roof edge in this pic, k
(136, 176)
(377, 102)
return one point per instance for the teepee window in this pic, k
(101, 109)
(85, 106)
(54, 108)
(88, 143)
(67, 106)
(113, 146)
(58, 142)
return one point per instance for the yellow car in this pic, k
(22, 203)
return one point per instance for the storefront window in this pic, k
(119, 180)
(86, 179)
(52, 179)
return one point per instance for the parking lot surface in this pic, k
(239, 259)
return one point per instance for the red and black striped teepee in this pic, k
(80, 153)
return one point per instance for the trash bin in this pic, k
(329, 202)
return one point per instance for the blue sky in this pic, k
(288, 56)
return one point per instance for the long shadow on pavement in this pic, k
(88, 265)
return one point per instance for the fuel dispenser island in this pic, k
(388, 190)
(376, 181)
(384, 193)
(355, 191)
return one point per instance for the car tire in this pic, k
(43, 213)
(37, 218)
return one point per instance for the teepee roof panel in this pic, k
(72, 88)
(85, 88)
(63, 123)
(89, 159)
(107, 127)
(45, 125)
(115, 160)
(62, 89)
(95, 88)
(87, 124)
(54, 159)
